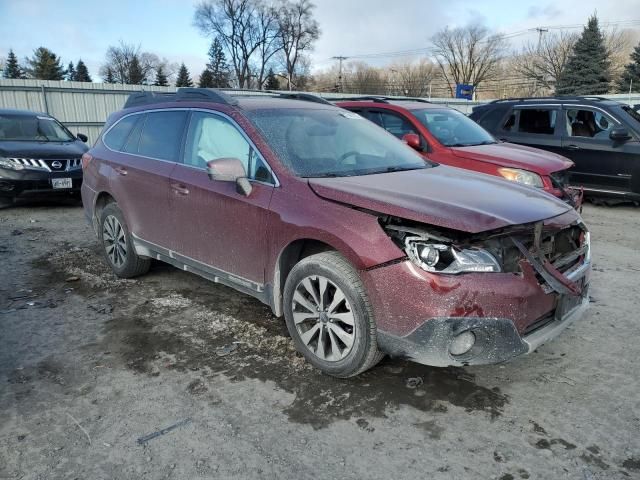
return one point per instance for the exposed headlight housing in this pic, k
(522, 176)
(441, 258)
(9, 165)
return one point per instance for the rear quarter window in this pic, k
(116, 137)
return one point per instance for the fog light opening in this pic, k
(462, 343)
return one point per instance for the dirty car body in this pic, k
(451, 267)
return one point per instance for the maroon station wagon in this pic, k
(362, 246)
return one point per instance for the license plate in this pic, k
(569, 302)
(61, 183)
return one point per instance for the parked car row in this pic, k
(466, 248)
(365, 246)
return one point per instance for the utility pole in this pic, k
(340, 59)
(540, 31)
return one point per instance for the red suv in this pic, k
(447, 136)
(365, 248)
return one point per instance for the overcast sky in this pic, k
(85, 28)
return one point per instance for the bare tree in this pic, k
(542, 62)
(467, 55)
(360, 77)
(118, 61)
(298, 30)
(412, 78)
(268, 30)
(244, 28)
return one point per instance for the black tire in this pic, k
(364, 352)
(131, 264)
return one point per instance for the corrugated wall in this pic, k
(84, 107)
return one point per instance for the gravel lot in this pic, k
(89, 364)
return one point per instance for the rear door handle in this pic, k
(180, 189)
(121, 171)
(573, 147)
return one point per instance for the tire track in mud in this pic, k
(170, 320)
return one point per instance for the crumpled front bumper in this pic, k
(497, 339)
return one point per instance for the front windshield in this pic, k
(333, 143)
(453, 128)
(27, 128)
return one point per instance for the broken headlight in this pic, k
(443, 258)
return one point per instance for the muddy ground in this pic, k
(90, 364)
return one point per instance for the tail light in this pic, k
(86, 158)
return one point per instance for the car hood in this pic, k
(443, 196)
(515, 156)
(42, 149)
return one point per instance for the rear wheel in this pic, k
(118, 247)
(329, 316)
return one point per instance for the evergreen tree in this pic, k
(136, 77)
(82, 73)
(45, 65)
(631, 75)
(109, 76)
(206, 79)
(12, 68)
(161, 78)
(218, 66)
(588, 68)
(272, 81)
(183, 80)
(70, 73)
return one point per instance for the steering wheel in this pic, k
(346, 155)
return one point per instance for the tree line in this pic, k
(256, 44)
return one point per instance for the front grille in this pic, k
(49, 164)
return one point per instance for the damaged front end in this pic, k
(503, 293)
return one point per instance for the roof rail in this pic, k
(559, 98)
(379, 99)
(181, 95)
(368, 98)
(303, 96)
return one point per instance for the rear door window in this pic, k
(541, 121)
(392, 123)
(162, 135)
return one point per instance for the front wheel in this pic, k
(117, 245)
(329, 316)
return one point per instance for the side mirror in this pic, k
(82, 137)
(413, 140)
(619, 134)
(230, 170)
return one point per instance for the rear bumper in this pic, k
(24, 183)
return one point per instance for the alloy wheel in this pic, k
(115, 242)
(323, 318)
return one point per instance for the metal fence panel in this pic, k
(84, 107)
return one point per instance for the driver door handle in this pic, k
(573, 147)
(121, 171)
(180, 189)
